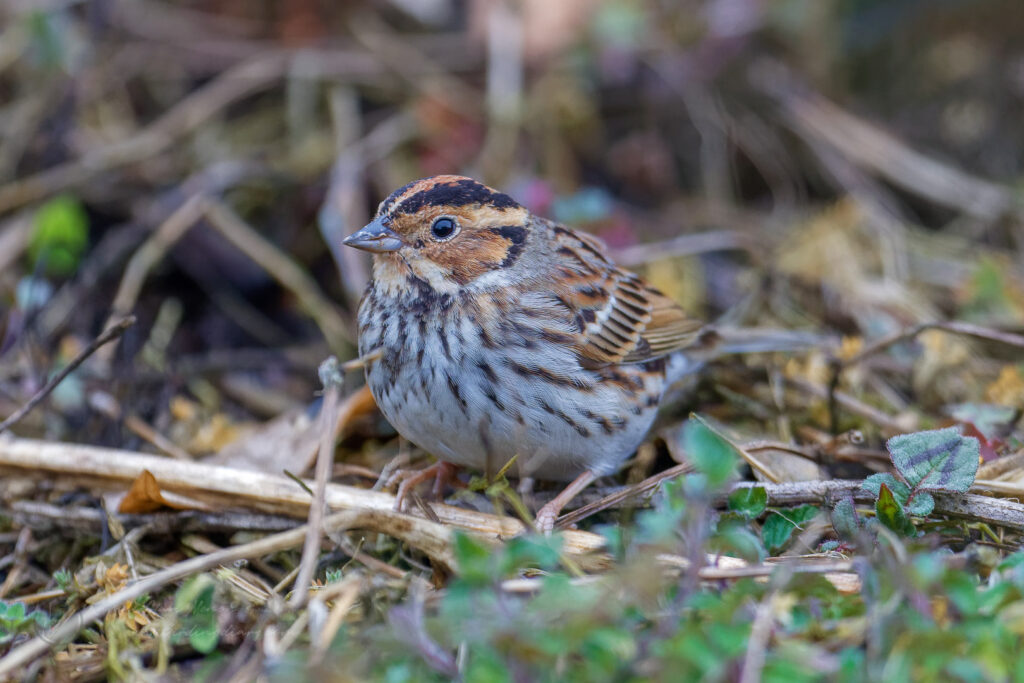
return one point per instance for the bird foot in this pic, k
(545, 518)
(442, 472)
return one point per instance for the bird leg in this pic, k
(442, 472)
(546, 516)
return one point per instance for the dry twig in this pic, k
(109, 335)
(22, 655)
(330, 421)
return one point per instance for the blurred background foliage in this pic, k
(639, 121)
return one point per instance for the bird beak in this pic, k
(375, 237)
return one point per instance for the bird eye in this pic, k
(444, 228)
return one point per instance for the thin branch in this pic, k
(330, 421)
(973, 507)
(952, 326)
(616, 499)
(109, 335)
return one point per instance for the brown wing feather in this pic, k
(622, 319)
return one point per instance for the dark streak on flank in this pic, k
(487, 370)
(548, 376)
(442, 335)
(580, 429)
(487, 339)
(458, 193)
(454, 388)
(493, 398)
(608, 425)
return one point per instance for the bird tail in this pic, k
(714, 342)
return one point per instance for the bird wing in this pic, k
(620, 318)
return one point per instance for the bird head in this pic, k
(447, 230)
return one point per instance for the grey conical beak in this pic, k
(375, 237)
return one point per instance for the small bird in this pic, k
(502, 334)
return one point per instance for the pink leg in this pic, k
(442, 472)
(546, 516)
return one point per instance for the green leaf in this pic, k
(779, 526)
(845, 520)
(937, 460)
(874, 483)
(749, 501)
(204, 636)
(739, 540)
(920, 503)
(16, 612)
(60, 235)
(709, 452)
(472, 557)
(890, 513)
(543, 552)
(916, 502)
(195, 594)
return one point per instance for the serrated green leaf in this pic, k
(780, 524)
(920, 503)
(709, 452)
(899, 489)
(890, 512)
(749, 501)
(917, 502)
(937, 460)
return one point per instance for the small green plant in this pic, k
(14, 620)
(194, 604)
(940, 460)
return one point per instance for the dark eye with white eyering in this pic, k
(444, 228)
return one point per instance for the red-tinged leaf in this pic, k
(989, 448)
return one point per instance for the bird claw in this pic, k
(545, 518)
(442, 472)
